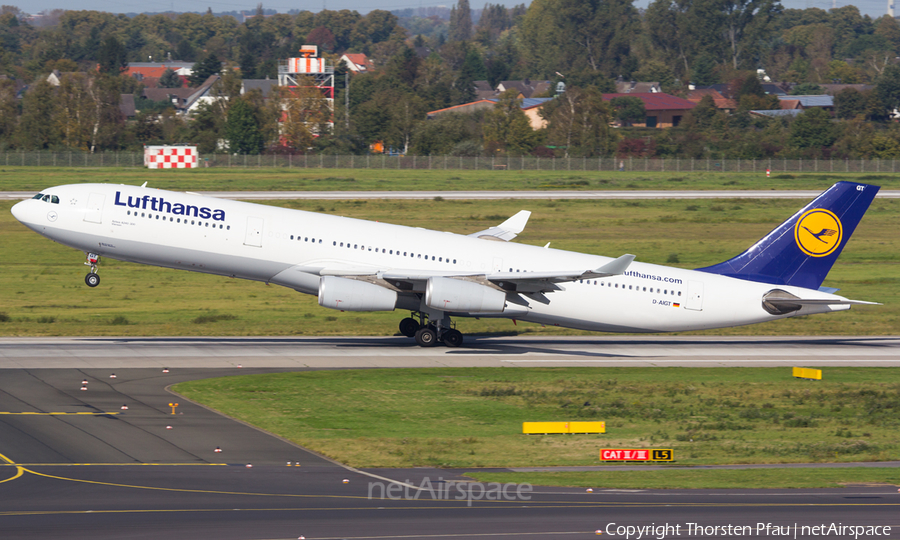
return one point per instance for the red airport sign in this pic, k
(636, 454)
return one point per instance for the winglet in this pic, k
(507, 230)
(613, 268)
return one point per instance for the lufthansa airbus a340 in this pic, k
(356, 265)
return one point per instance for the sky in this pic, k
(873, 8)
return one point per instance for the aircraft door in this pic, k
(94, 213)
(694, 298)
(254, 232)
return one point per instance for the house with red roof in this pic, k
(722, 103)
(663, 110)
(358, 62)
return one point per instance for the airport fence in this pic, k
(329, 161)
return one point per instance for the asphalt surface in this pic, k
(75, 465)
(391, 352)
(493, 195)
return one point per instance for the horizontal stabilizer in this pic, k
(819, 302)
(507, 230)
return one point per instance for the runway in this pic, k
(494, 195)
(74, 464)
(393, 352)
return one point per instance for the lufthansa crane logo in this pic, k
(818, 232)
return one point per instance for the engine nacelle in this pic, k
(352, 295)
(447, 294)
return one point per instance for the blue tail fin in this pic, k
(803, 249)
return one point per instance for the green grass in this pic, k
(42, 291)
(218, 179)
(472, 417)
(702, 479)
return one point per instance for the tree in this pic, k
(812, 129)
(849, 103)
(590, 35)
(111, 58)
(807, 89)
(743, 15)
(303, 113)
(36, 127)
(628, 110)
(579, 120)
(507, 129)
(460, 22)
(242, 129)
(887, 87)
(210, 65)
(703, 71)
(8, 112)
(170, 79)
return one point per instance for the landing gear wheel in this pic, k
(409, 327)
(92, 280)
(426, 337)
(453, 338)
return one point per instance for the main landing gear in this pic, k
(92, 279)
(429, 334)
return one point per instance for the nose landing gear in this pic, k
(92, 279)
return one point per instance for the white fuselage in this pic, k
(269, 244)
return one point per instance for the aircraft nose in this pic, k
(18, 211)
(25, 212)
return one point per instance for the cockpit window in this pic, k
(38, 196)
(46, 198)
(54, 199)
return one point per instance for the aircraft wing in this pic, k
(546, 281)
(525, 282)
(507, 230)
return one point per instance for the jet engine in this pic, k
(352, 295)
(447, 294)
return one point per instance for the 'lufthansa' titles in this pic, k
(159, 204)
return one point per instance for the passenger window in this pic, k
(454, 261)
(228, 228)
(629, 287)
(679, 293)
(354, 246)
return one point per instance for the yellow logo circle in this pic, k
(818, 232)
